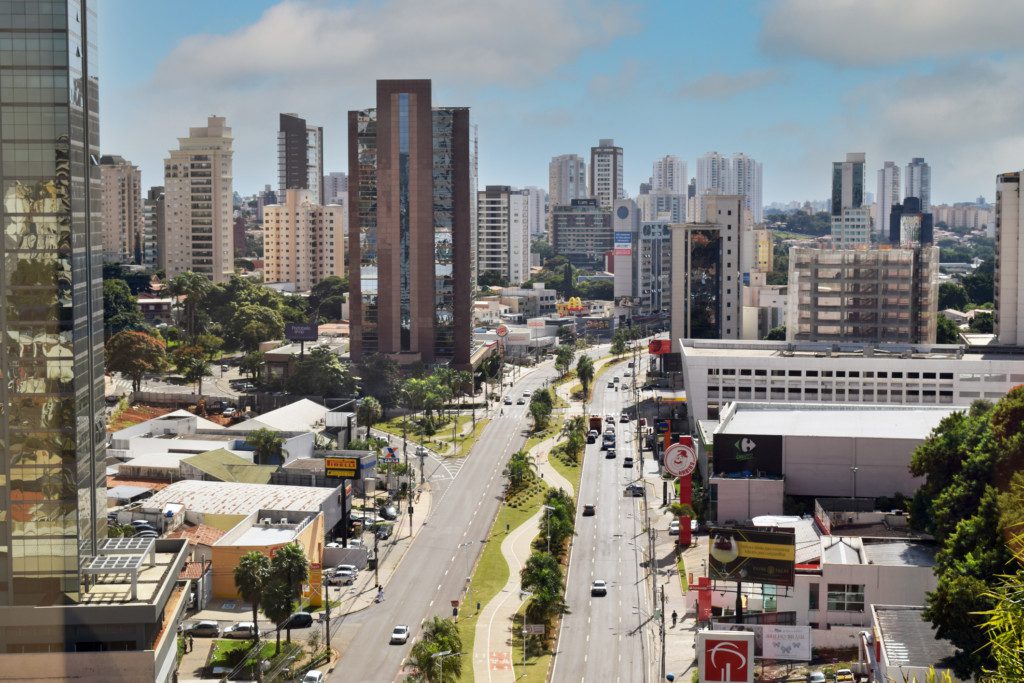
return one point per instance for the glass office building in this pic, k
(52, 475)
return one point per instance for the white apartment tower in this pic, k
(335, 187)
(745, 180)
(713, 171)
(303, 241)
(888, 195)
(606, 173)
(1009, 276)
(538, 205)
(198, 203)
(919, 182)
(669, 174)
(153, 228)
(122, 210)
(503, 233)
(567, 179)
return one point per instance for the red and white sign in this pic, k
(502, 330)
(725, 656)
(680, 460)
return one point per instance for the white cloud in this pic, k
(321, 60)
(880, 32)
(722, 86)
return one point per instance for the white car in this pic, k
(313, 676)
(400, 635)
(341, 578)
(673, 527)
(599, 587)
(240, 629)
(350, 568)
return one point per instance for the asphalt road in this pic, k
(601, 637)
(433, 572)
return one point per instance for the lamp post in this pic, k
(522, 596)
(439, 656)
(547, 524)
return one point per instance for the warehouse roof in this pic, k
(908, 638)
(302, 416)
(835, 420)
(230, 498)
(223, 465)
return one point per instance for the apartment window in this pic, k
(794, 373)
(897, 375)
(913, 375)
(812, 373)
(760, 373)
(845, 597)
(883, 375)
(813, 595)
(778, 373)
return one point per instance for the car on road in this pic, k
(599, 587)
(588, 510)
(673, 527)
(627, 373)
(844, 676)
(609, 454)
(609, 418)
(223, 367)
(611, 384)
(247, 386)
(627, 463)
(508, 400)
(203, 629)
(592, 436)
(624, 418)
(399, 635)
(816, 677)
(341, 578)
(298, 620)
(240, 630)
(229, 412)
(389, 512)
(351, 568)
(634, 490)
(520, 401)
(313, 676)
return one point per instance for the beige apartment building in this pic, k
(198, 203)
(303, 242)
(122, 210)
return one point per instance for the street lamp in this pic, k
(547, 523)
(439, 656)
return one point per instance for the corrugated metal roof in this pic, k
(302, 416)
(909, 640)
(229, 498)
(223, 465)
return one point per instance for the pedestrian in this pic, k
(191, 644)
(674, 618)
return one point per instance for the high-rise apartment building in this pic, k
(582, 233)
(606, 183)
(863, 295)
(410, 227)
(335, 187)
(300, 157)
(909, 225)
(669, 174)
(122, 210)
(1009, 270)
(888, 195)
(919, 182)
(642, 258)
(68, 609)
(503, 234)
(303, 242)
(153, 227)
(657, 204)
(538, 207)
(706, 279)
(851, 219)
(712, 174)
(198, 203)
(745, 180)
(567, 179)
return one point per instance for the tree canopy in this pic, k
(135, 354)
(321, 373)
(120, 309)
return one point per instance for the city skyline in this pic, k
(816, 93)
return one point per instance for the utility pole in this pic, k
(327, 615)
(663, 632)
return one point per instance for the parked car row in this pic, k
(242, 630)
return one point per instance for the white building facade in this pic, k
(745, 180)
(669, 174)
(303, 242)
(503, 233)
(606, 183)
(1009, 287)
(567, 179)
(123, 221)
(888, 194)
(919, 182)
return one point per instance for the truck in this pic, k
(596, 422)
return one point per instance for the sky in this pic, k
(796, 84)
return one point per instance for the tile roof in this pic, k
(199, 534)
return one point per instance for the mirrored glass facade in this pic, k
(705, 284)
(52, 485)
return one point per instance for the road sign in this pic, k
(533, 629)
(680, 460)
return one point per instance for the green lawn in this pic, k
(491, 572)
(536, 669)
(441, 441)
(571, 472)
(467, 442)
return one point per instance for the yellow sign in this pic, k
(767, 551)
(342, 467)
(311, 590)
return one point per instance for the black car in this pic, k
(627, 463)
(609, 454)
(588, 510)
(634, 490)
(389, 512)
(383, 531)
(298, 620)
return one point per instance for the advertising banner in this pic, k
(300, 331)
(748, 453)
(342, 467)
(725, 656)
(623, 251)
(623, 238)
(659, 347)
(786, 642)
(752, 555)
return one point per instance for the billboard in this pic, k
(348, 464)
(623, 251)
(625, 238)
(298, 332)
(779, 642)
(659, 347)
(752, 555)
(748, 453)
(725, 656)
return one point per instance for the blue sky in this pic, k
(793, 83)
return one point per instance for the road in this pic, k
(433, 571)
(604, 638)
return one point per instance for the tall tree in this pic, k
(946, 331)
(953, 295)
(193, 363)
(252, 364)
(134, 354)
(368, 413)
(252, 324)
(278, 603)
(193, 289)
(120, 309)
(267, 446)
(251, 576)
(564, 357)
(321, 373)
(776, 334)
(585, 372)
(327, 296)
(439, 635)
(290, 567)
(381, 378)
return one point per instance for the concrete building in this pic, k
(909, 225)
(966, 215)
(642, 260)
(529, 302)
(713, 170)
(863, 295)
(536, 212)
(764, 305)
(582, 233)
(410, 227)
(919, 182)
(745, 180)
(335, 187)
(719, 372)
(901, 646)
(567, 179)
(659, 204)
(300, 157)
(851, 218)
(606, 183)
(887, 196)
(669, 174)
(503, 233)
(153, 230)
(303, 242)
(122, 210)
(198, 208)
(764, 251)
(1009, 270)
(705, 278)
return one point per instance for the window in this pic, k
(845, 598)
(813, 596)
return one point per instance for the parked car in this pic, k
(146, 533)
(341, 578)
(627, 463)
(240, 630)
(230, 412)
(298, 620)
(673, 527)
(203, 629)
(389, 512)
(351, 568)
(141, 523)
(816, 677)
(610, 454)
(599, 587)
(313, 676)
(844, 676)
(383, 531)
(400, 635)
(588, 510)
(634, 490)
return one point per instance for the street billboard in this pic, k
(659, 347)
(753, 555)
(625, 238)
(778, 642)
(748, 453)
(298, 332)
(725, 656)
(348, 464)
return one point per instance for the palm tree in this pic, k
(277, 605)
(585, 372)
(520, 468)
(291, 568)
(369, 412)
(251, 576)
(439, 635)
(266, 445)
(195, 288)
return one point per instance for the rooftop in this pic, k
(907, 638)
(781, 349)
(231, 498)
(835, 420)
(258, 535)
(223, 465)
(889, 553)
(808, 544)
(116, 588)
(197, 534)
(301, 416)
